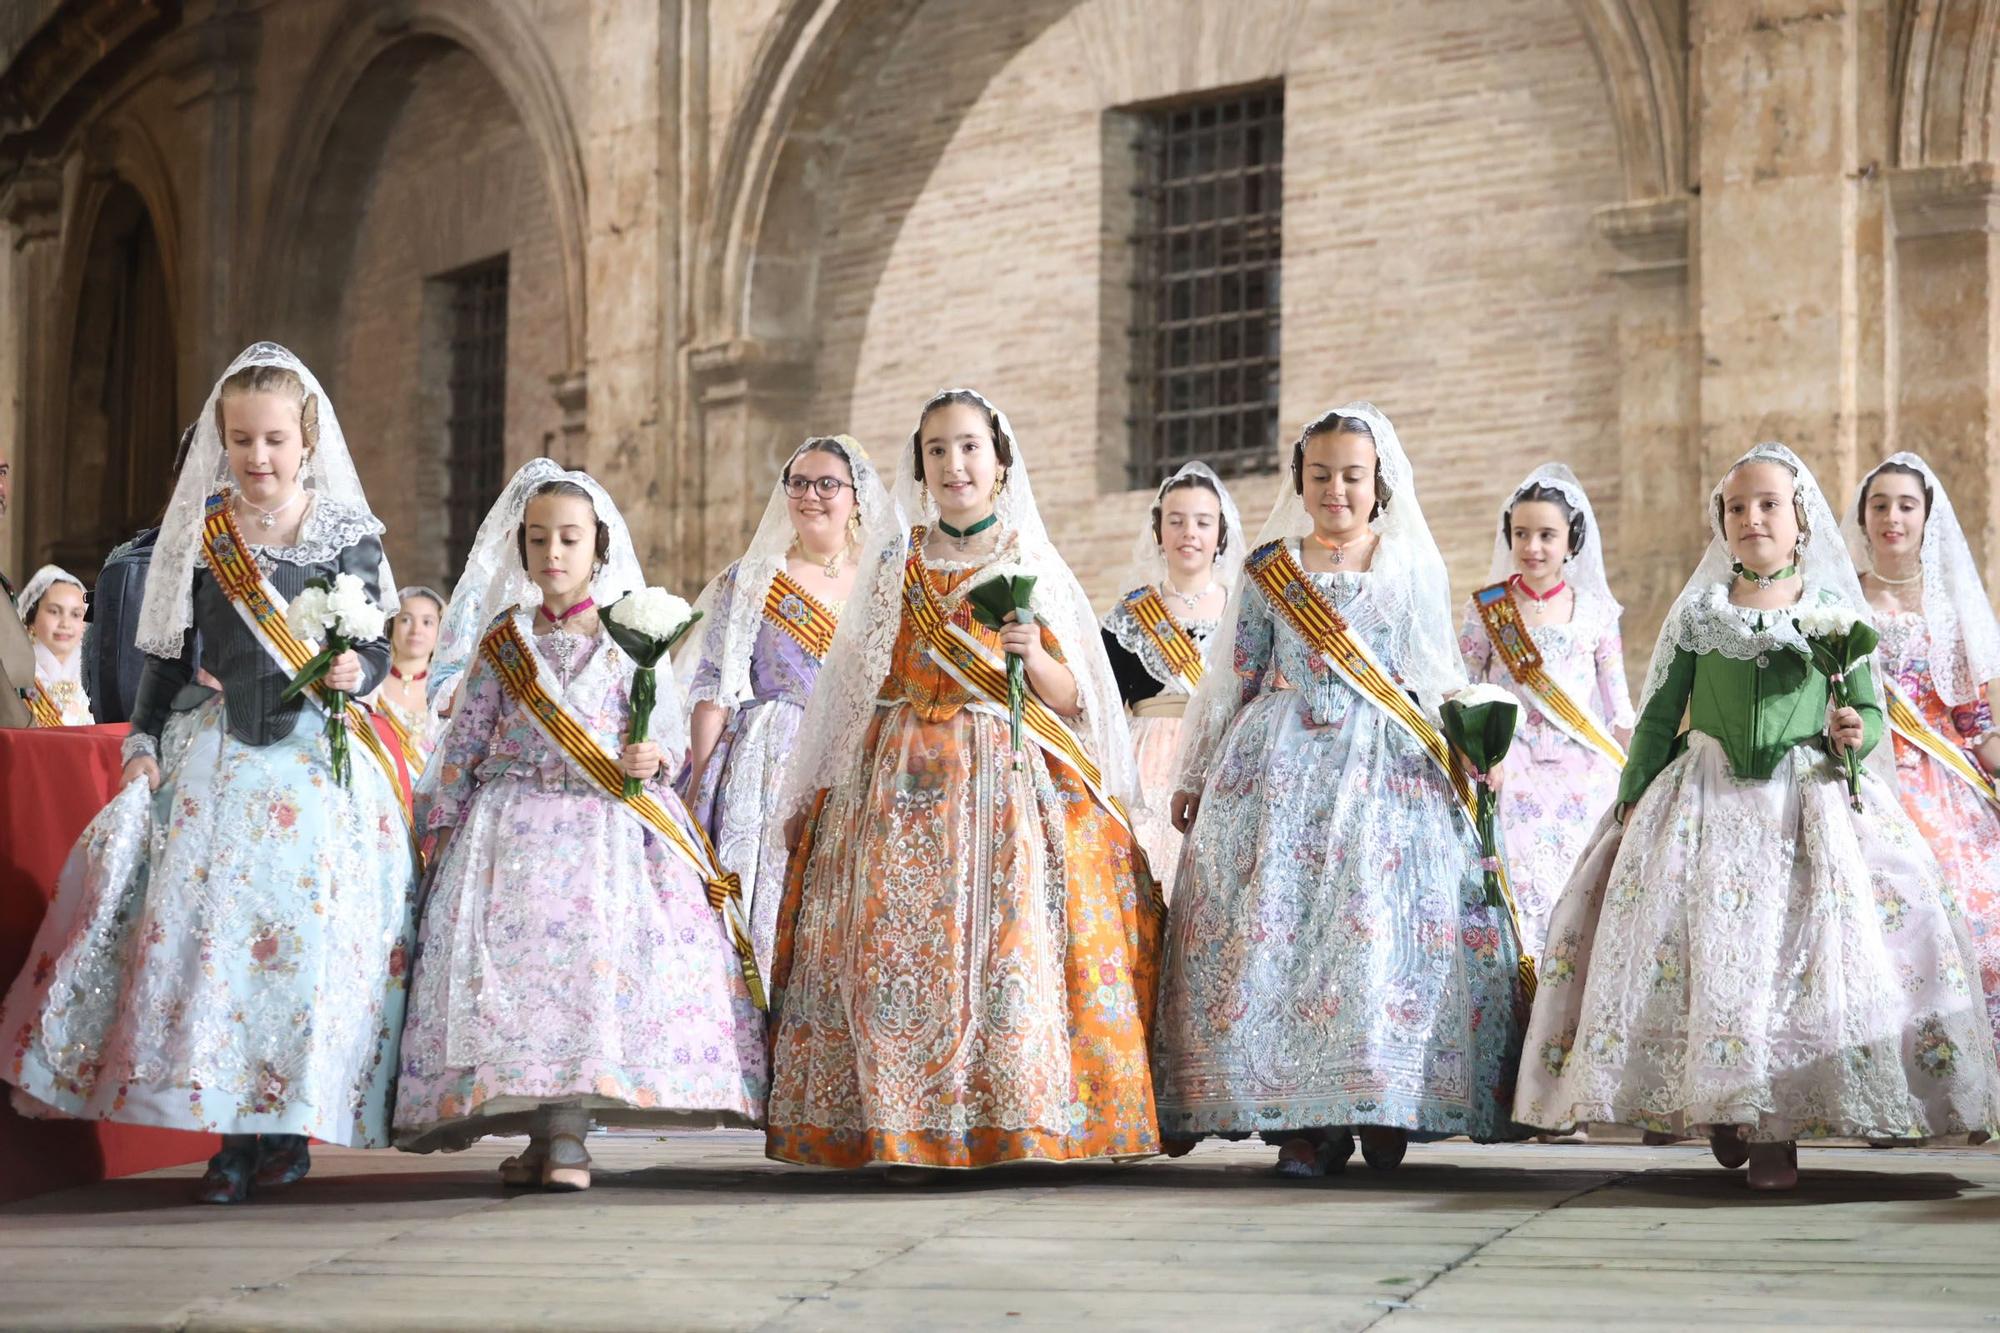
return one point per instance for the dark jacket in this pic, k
(112, 662)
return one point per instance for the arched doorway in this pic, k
(120, 431)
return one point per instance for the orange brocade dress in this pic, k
(967, 953)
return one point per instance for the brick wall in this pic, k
(457, 181)
(1443, 159)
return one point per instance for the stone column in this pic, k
(1659, 536)
(621, 164)
(1947, 329)
(1789, 100)
(750, 401)
(30, 212)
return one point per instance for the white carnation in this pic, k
(354, 613)
(1821, 621)
(308, 614)
(653, 612)
(1485, 693)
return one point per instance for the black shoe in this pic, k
(284, 1159)
(229, 1176)
(1382, 1147)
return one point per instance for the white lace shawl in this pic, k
(168, 608)
(1406, 579)
(1965, 638)
(732, 605)
(830, 752)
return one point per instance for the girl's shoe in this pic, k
(283, 1159)
(230, 1172)
(1731, 1149)
(1299, 1159)
(1653, 1138)
(524, 1169)
(1774, 1166)
(1382, 1147)
(912, 1175)
(566, 1167)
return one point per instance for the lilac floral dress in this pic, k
(1555, 788)
(740, 786)
(565, 953)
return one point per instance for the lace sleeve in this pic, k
(705, 680)
(1223, 696)
(1473, 644)
(1613, 694)
(448, 784)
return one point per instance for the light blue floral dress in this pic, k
(1331, 959)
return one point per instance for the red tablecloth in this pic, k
(51, 783)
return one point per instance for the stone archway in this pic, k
(117, 410)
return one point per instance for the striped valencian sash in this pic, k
(1510, 638)
(396, 729)
(262, 608)
(1176, 645)
(42, 710)
(1907, 721)
(520, 674)
(982, 673)
(1323, 628)
(798, 613)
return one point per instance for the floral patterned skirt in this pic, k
(1963, 831)
(1548, 809)
(1331, 958)
(566, 954)
(965, 967)
(1156, 744)
(227, 954)
(1756, 953)
(739, 789)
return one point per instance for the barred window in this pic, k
(1204, 343)
(477, 427)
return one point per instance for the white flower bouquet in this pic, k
(1839, 641)
(337, 615)
(1479, 722)
(646, 625)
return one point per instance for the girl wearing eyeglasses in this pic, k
(769, 621)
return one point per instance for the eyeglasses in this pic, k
(826, 487)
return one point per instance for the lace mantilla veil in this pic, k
(38, 585)
(751, 577)
(830, 754)
(1965, 640)
(1596, 608)
(494, 581)
(1703, 620)
(168, 608)
(1406, 581)
(1149, 562)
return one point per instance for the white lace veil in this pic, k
(1596, 608)
(1149, 562)
(830, 737)
(168, 608)
(752, 573)
(1965, 639)
(1406, 581)
(38, 585)
(494, 581)
(1824, 567)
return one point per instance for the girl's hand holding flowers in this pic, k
(1024, 641)
(344, 673)
(1845, 730)
(640, 761)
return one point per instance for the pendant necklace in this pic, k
(268, 518)
(1888, 582)
(1338, 550)
(829, 566)
(1762, 580)
(1521, 586)
(397, 672)
(961, 536)
(1188, 603)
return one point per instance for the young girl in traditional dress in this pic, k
(966, 953)
(1938, 658)
(768, 624)
(402, 705)
(1749, 956)
(1546, 628)
(1332, 962)
(52, 607)
(227, 946)
(1157, 637)
(571, 967)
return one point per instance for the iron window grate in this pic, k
(477, 427)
